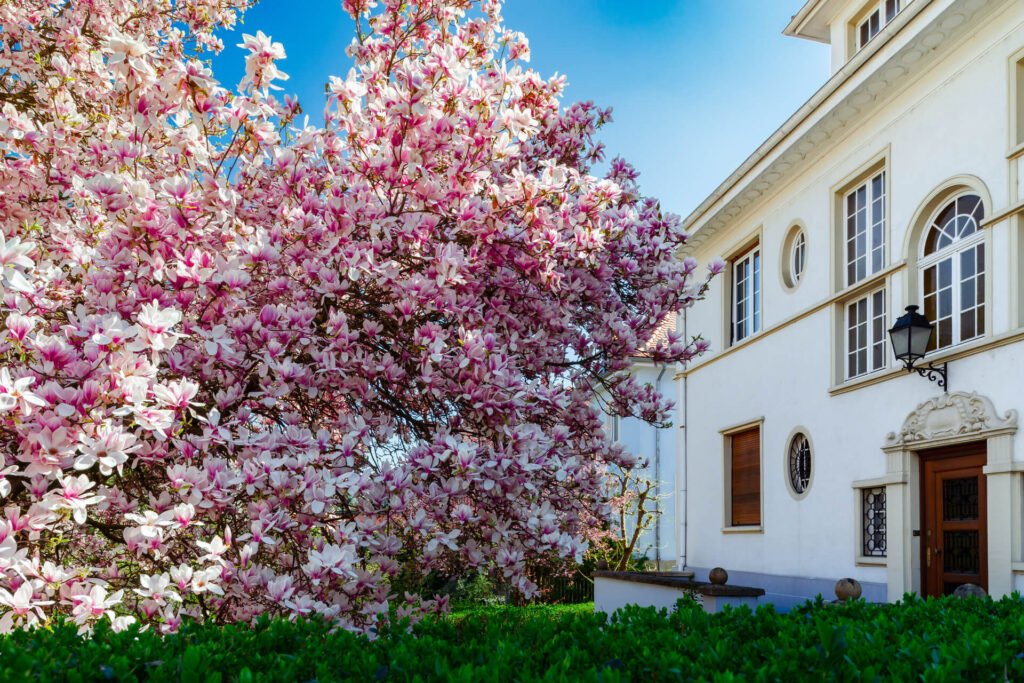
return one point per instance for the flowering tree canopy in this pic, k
(250, 365)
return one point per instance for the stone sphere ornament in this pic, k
(848, 589)
(969, 590)
(718, 576)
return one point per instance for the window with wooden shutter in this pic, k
(745, 473)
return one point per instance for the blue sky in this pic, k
(695, 85)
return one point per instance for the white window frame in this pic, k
(952, 252)
(745, 295)
(869, 299)
(883, 12)
(798, 257)
(874, 239)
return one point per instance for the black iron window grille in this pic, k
(873, 506)
(799, 463)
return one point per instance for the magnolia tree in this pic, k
(249, 365)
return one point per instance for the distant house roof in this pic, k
(660, 334)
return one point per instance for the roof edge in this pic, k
(797, 25)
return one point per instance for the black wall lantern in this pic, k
(910, 338)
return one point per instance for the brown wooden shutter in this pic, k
(746, 477)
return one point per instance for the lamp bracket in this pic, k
(934, 373)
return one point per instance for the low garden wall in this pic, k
(615, 590)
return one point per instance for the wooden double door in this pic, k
(954, 534)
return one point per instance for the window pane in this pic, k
(967, 261)
(967, 294)
(967, 329)
(945, 332)
(945, 273)
(945, 303)
(892, 7)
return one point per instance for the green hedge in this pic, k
(934, 640)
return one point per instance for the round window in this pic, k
(794, 257)
(799, 463)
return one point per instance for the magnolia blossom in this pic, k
(22, 608)
(71, 496)
(108, 447)
(14, 261)
(89, 603)
(379, 346)
(15, 393)
(157, 588)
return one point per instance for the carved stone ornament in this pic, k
(949, 416)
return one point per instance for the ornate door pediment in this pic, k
(951, 418)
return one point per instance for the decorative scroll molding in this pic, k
(950, 416)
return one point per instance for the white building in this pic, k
(659, 449)
(806, 451)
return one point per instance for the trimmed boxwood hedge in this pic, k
(933, 640)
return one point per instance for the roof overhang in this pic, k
(813, 19)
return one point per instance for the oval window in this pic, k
(799, 462)
(794, 255)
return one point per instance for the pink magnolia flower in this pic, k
(157, 588)
(109, 447)
(22, 608)
(15, 393)
(92, 602)
(14, 261)
(260, 70)
(71, 496)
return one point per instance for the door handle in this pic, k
(928, 556)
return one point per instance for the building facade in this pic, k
(805, 451)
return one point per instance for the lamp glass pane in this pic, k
(900, 342)
(919, 337)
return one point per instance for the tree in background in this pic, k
(249, 365)
(635, 509)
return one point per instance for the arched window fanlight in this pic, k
(953, 271)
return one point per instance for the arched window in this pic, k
(953, 271)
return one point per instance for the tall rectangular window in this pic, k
(746, 295)
(745, 477)
(954, 296)
(864, 218)
(865, 334)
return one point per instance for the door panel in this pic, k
(953, 520)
